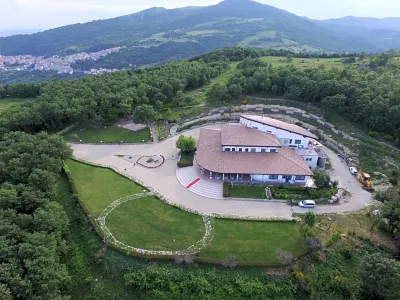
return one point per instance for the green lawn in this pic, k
(304, 62)
(252, 242)
(149, 223)
(99, 187)
(9, 102)
(109, 134)
(247, 191)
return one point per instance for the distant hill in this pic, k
(369, 23)
(229, 23)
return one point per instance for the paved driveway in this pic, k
(164, 181)
(359, 199)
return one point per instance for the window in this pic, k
(254, 127)
(247, 149)
(308, 159)
(269, 131)
(240, 149)
(233, 149)
(253, 149)
(290, 141)
(272, 150)
(228, 149)
(263, 150)
(297, 142)
(300, 178)
(273, 177)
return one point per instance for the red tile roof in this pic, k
(241, 135)
(210, 156)
(280, 125)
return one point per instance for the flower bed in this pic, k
(301, 193)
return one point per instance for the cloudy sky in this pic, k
(44, 14)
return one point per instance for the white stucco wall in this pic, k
(266, 178)
(283, 136)
(311, 160)
(258, 149)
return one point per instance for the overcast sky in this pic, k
(44, 14)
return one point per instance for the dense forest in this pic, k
(41, 260)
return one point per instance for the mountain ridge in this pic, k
(228, 23)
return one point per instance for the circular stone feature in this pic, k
(151, 161)
(148, 223)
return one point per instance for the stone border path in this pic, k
(193, 249)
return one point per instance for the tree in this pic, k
(235, 91)
(310, 218)
(218, 93)
(380, 277)
(321, 178)
(333, 104)
(313, 243)
(186, 144)
(144, 114)
(285, 257)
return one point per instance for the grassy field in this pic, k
(9, 102)
(109, 134)
(252, 242)
(277, 61)
(149, 223)
(99, 187)
(247, 191)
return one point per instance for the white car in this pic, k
(353, 170)
(307, 203)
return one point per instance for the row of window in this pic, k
(247, 150)
(275, 177)
(308, 159)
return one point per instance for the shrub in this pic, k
(388, 138)
(299, 124)
(225, 192)
(394, 181)
(372, 133)
(321, 178)
(75, 137)
(184, 164)
(310, 218)
(347, 252)
(383, 226)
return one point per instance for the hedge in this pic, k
(301, 193)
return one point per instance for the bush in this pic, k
(388, 138)
(383, 226)
(372, 133)
(299, 124)
(184, 164)
(225, 192)
(347, 252)
(394, 181)
(321, 178)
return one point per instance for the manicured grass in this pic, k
(9, 102)
(149, 223)
(247, 191)
(253, 242)
(304, 62)
(99, 187)
(109, 134)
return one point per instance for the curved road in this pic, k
(164, 181)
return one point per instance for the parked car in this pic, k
(307, 203)
(353, 170)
